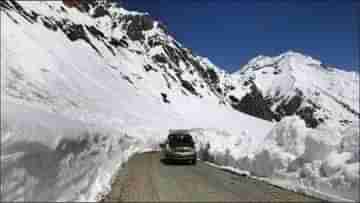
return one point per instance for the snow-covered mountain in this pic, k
(67, 65)
(133, 48)
(293, 83)
(101, 46)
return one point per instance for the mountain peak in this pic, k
(294, 54)
(287, 59)
(291, 53)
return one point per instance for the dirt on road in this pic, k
(147, 178)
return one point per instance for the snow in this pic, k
(350, 142)
(69, 160)
(289, 136)
(320, 162)
(318, 146)
(280, 77)
(231, 169)
(334, 162)
(351, 173)
(46, 156)
(321, 166)
(72, 118)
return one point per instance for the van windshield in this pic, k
(177, 140)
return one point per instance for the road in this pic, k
(146, 178)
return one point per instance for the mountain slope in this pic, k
(137, 50)
(128, 44)
(115, 68)
(293, 83)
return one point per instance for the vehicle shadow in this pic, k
(174, 162)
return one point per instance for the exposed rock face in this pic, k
(293, 106)
(5, 5)
(49, 23)
(148, 68)
(95, 32)
(119, 43)
(307, 114)
(188, 86)
(100, 12)
(290, 107)
(137, 24)
(159, 58)
(164, 97)
(76, 32)
(254, 104)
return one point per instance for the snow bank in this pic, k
(289, 136)
(48, 157)
(334, 162)
(351, 143)
(321, 162)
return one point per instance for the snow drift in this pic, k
(321, 162)
(48, 157)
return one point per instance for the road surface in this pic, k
(147, 178)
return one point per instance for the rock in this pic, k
(253, 104)
(148, 68)
(119, 42)
(5, 5)
(75, 32)
(212, 75)
(137, 24)
(164, 97)
(290, 106)
(187, 85)
(48, 23)
(160, 58)
(95, 32)
(100, 11)
(307, 114)
(171, 52)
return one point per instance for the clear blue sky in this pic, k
(231, 32)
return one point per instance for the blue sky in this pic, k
(231, 32)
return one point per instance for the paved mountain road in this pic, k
(146, 178)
